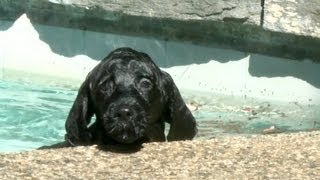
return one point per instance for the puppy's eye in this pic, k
(107, 87)
(145, 83)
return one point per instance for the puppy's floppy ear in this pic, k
(182, 123)
(79, 117)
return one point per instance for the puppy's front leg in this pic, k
(79, 117)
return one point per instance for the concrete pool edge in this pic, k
(261, 156)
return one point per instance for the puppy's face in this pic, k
(127, 98)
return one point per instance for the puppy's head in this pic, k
(126, 94)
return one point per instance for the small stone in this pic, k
(271, 130)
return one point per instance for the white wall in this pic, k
(63, 56)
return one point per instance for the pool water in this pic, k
(230, 115)
(34, 115)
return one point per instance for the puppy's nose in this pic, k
(124, 114)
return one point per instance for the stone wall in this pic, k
(284, 28)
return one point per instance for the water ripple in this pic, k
(33, 115)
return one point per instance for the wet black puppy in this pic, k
(131, 99)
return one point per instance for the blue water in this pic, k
(34, 115)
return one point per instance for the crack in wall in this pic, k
(262, 13)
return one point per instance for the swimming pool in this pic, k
(33, 115)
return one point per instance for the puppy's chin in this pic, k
(125, 134)
(125, 138)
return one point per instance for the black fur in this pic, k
(131, 99)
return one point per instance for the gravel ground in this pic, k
(279, 156)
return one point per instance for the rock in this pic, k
(147, 13)
(227, 24)
(300, 17)
(288, 28)
(271, 130)
(299, 23)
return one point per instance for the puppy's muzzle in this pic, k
(124, 113)
(125, 123)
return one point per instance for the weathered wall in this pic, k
(63, 56)
(284, 28)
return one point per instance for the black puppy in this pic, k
(131, 99)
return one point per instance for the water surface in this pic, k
(34, 115)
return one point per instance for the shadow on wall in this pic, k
(264, 66)
(71, 42)
(5, 25)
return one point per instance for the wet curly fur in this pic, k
(131, 99)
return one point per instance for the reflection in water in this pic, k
(33, 115)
